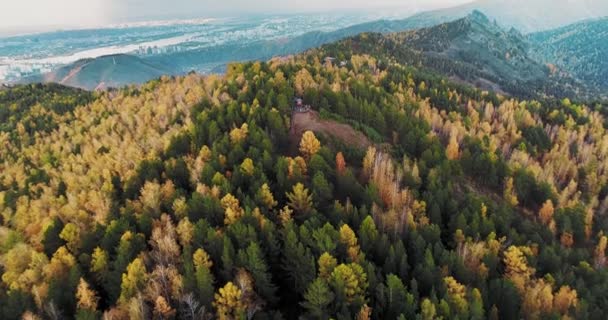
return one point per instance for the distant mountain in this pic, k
(581, 49)
(106, 71)
(525, 15)
(474, 50)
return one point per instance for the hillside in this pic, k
(472, 50)
(111, 71)
(525, 15)
(186, 198)
(581, 49)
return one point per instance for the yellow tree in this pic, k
(232, 209)
(87, 298)
(265, 197)
(285, 215)
(303, 81)
(546, 212)
(300, 199)
(565, 298)
(309, 145)
(162, 309)
(349, 240)
(517, 269)
(237, 135)
(228, 302)
(457, 294)
(247, 167)
(71, 235)
(452, 151)
(509, 192)
(134, 280)
(202, 259)
(327, 264)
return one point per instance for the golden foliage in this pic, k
(327, 264)
(202, 259)
(238, 135)
(303, 81)
(87, 298)
(296, 165)
(266, 197)
(457, 294)
(509, 192)
(247, 167)
(162, 309)
(600, 252)
(285, 215)
(185, 231)
(232, 209)
(349, 239)
(228, 302)
(365, 313)
(517, 269)
(300, 199)
(546, 212)
(309, 145)
(564, 299)
(134, 280)
(453, 149)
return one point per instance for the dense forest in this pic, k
(191, 198)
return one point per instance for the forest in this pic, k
(187, 198)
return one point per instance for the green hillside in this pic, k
(194, 197)
(580, 49)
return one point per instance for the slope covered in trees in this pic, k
(476, 51)
(184, 198)
(581, 49)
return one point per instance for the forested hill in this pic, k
(581, 49)
(187, 198)
(473, 50)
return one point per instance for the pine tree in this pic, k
(252, 259)
(317, 299)
(298, 262)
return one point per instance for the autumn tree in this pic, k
(517, 269)
(546, 212)
(228, 302)
(265, 197)
(134, 280)
(309, 145)
(452, 151)
(300, 200)
(340, 163)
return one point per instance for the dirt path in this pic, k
(311, 121)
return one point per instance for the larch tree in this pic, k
(228, 303)
(300, 199)
(452, 151)
(309, 145)
(134, 280)
(546, 212)
(317, 299)
(340, 163)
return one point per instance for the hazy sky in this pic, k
(15, 14)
